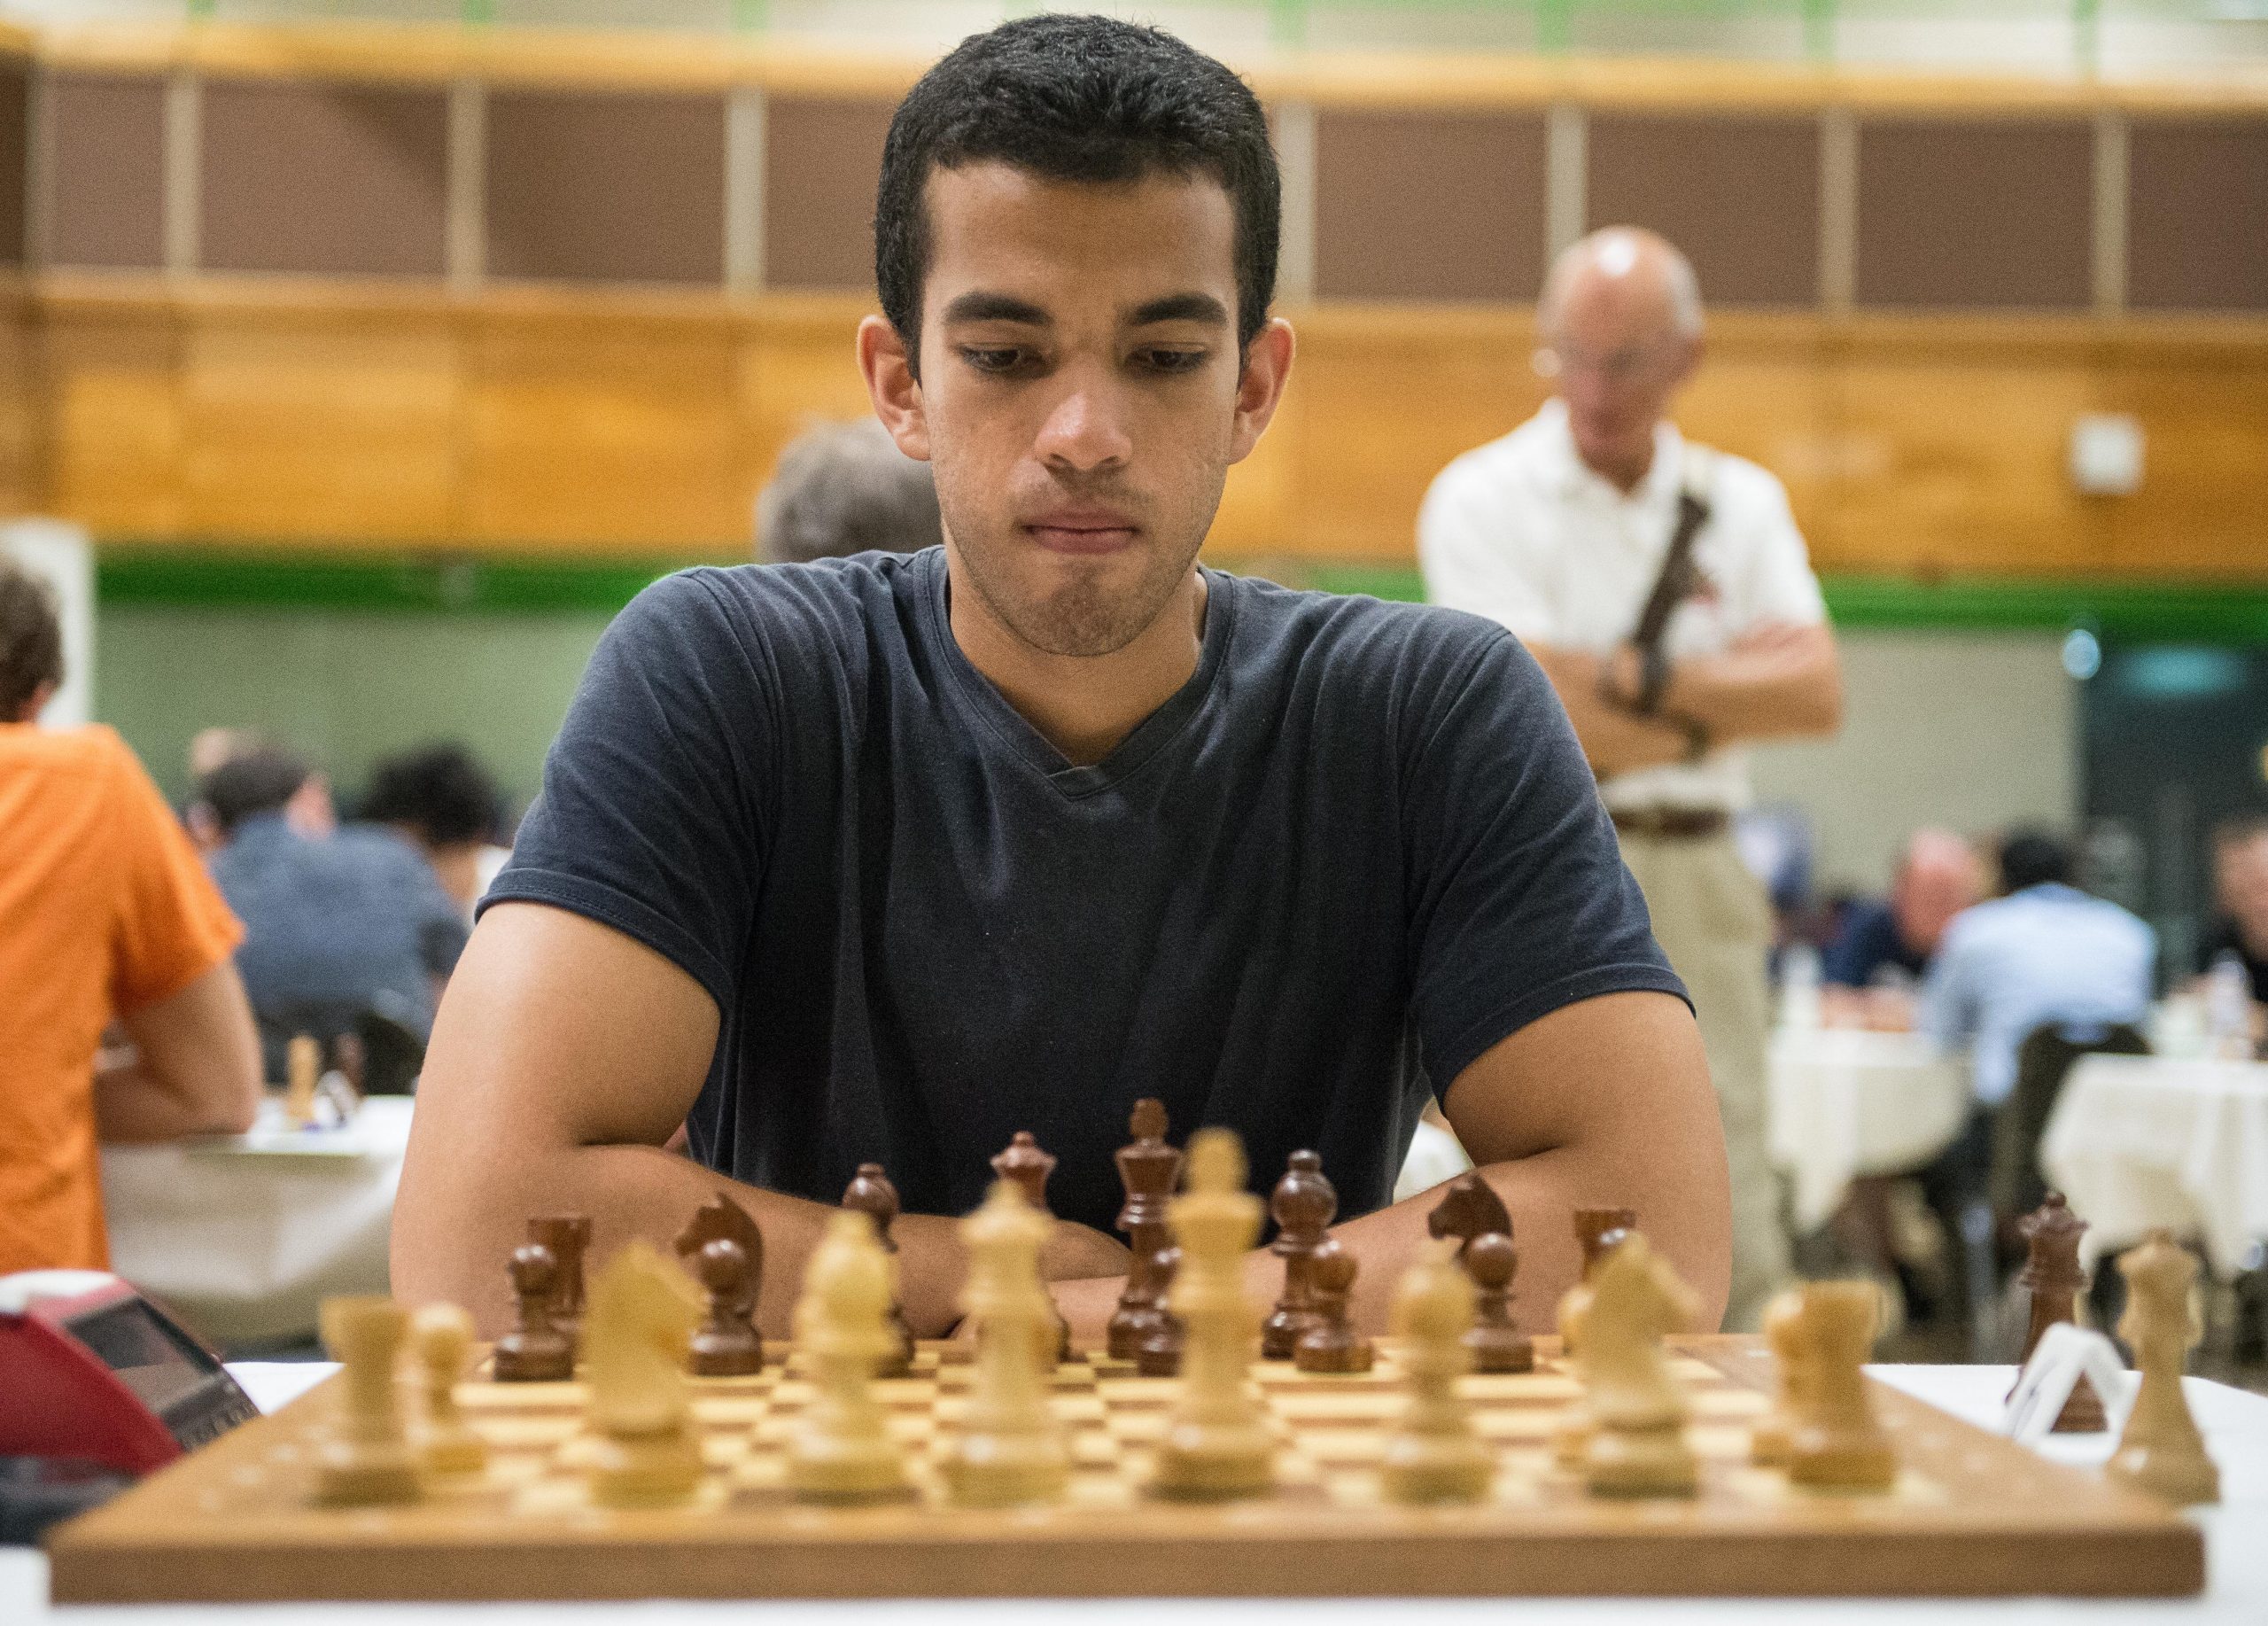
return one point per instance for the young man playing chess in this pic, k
(887, 859)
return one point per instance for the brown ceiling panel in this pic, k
(1739, 195)
(1428, 206)
(1991, 213)
(821, 158)
(15, 153)
(2196, 201)
(106, 169)
(596, 186)
(324, 179)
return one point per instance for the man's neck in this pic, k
(1625, 473)
(1083, 705)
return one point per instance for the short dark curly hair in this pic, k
(31, 639)
(1088, 99)
(441, 791)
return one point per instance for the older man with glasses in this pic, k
(1666, 591)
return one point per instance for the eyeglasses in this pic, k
(1628, 365)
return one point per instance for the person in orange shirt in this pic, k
(106, 915)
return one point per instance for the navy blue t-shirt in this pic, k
(1357, 848)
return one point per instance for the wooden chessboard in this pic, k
(1972, 1514)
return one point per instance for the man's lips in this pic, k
(1080, 532)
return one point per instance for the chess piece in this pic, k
(569, 1237)
(1303, 1205)
(1598, 1233)
(726, 1346)
(535, 1351)
(841, 1450)
(1637, 1407)
(1838, 1442)
(1772, 1442)
(1571, 1441)
(871, 1194)
(440, 1338)
(2052, 1275)
(1434, 1454)
(302, 1066)
(722, 1219)
(1146, 1168)
(1218, 1444)
(642, 1313)
(2161, 1450)
(1159, 1353)
(1026, 1162)
(366, 1460)
(1327, 1343)
(1010, 1447)
(1494, 1343)
(1469, 1207)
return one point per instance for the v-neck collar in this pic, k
(1151, 736)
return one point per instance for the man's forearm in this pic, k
(1761, 693)
(133, 1106)
(1614, 741)
(635, 1191)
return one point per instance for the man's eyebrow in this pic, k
(1181, 307)
(982, 307)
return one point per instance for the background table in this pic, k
(2138, 1142)
(1844, 1102)
(244, 1235)
(2236, 1547)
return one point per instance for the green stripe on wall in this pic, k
(233, 578)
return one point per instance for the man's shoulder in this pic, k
(778, 617)
(1740, 489)
(1512, 462)
(1362, 633)
(92, 750)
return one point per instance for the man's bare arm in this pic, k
(1777, 681)
(1614, 740)
(564, 1057)
(196, 1066)
(1605, 1102)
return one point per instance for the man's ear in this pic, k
(37, 703)
(891, 385)
(1260, 387)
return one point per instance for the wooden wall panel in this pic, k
(325, 179)
(821, 157)
(1955, 465)
(114, 452)
(1739, 195)
(106, 167)
(15, 155)
(319, 427)
(628, 435)
(2197, 214)
(2205, 484)
(1976, 214)
(594, 186)
(22, 481)
(1429, 206)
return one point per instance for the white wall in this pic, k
(1973, 730)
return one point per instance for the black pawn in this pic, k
(1496, 1345)
(1159, 1355)
(1327, 1343)
(535, 1351)
(727, 1346)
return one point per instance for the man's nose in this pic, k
(1085, 429)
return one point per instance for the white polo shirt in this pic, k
(1523, 532)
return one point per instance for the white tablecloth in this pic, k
(2138, 1141)
(244, 1236)
(2236, 1536)
(1844, 1102)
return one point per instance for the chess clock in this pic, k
(94, 1371)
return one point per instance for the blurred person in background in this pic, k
(441, 798)
(105, 916)
(1885, 946)
(347, 921)
(1665, 592)
(842, 489)
(2240, 899)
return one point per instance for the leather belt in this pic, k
(1670, 823)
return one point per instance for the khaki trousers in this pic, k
(1713, 921)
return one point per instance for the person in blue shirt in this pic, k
(1892, 940)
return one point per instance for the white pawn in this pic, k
(1218, 1444)
(366, 1461)
(843, 1451)
(440, 1338)
(1434, 1455)
(1010, 1445)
